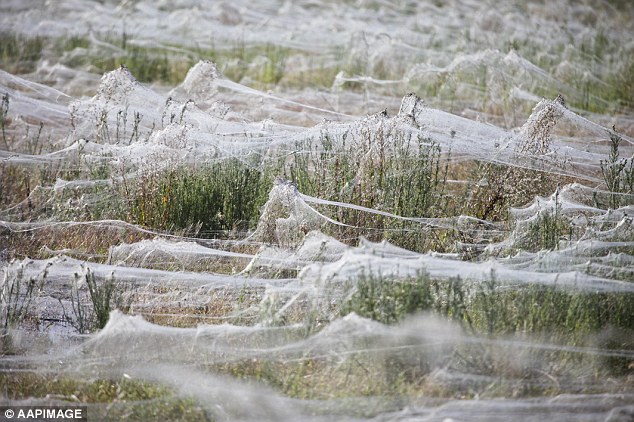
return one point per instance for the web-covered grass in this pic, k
(318, 210)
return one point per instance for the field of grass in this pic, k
(244, 221)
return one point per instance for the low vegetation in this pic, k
(375, 180)
(107, 399)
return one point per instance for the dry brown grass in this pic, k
(77, 240)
